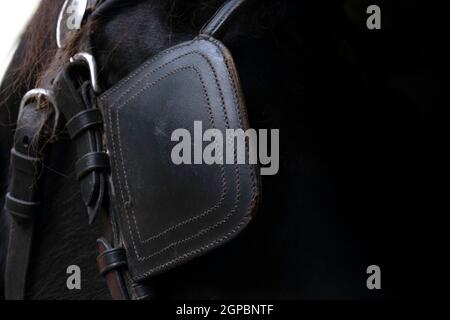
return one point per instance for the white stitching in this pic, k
(206, 212)
(244, 219)
(243, 222)
(237, 178)
(137, 71)
(187, 221)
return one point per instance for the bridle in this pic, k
(73, 95)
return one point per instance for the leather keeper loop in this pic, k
(143, 292)
(112, 259)
(84, 121)
(92, 162)
(25, 163)
(19, 208)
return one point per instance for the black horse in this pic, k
(307, 68)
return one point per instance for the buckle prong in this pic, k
(90, 61)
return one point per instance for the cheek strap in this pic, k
(218, 24)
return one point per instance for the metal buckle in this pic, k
(70, 19)
(90, 61)
(49, 96)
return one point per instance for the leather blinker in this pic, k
(168, 214)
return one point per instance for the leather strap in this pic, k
(77, 102)
(22, 201)
(83, 121)
(21, 209)
(19, 251)
(91, 162)
(143, 292)
(112, 259)
(217, 25)
(111, 262)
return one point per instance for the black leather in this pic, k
(112, 262)
(142, 292)
(83, 121)
(21, 209)
(112, 259)
(169, 214)
(76, 100)
(23, 199)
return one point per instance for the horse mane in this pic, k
(37, 47)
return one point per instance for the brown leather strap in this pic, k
(111, 262)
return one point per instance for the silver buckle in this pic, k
(36, 94)
(90, 61)
(70, 19)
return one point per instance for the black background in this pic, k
(381, 136)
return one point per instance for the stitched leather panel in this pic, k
(169, 214)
